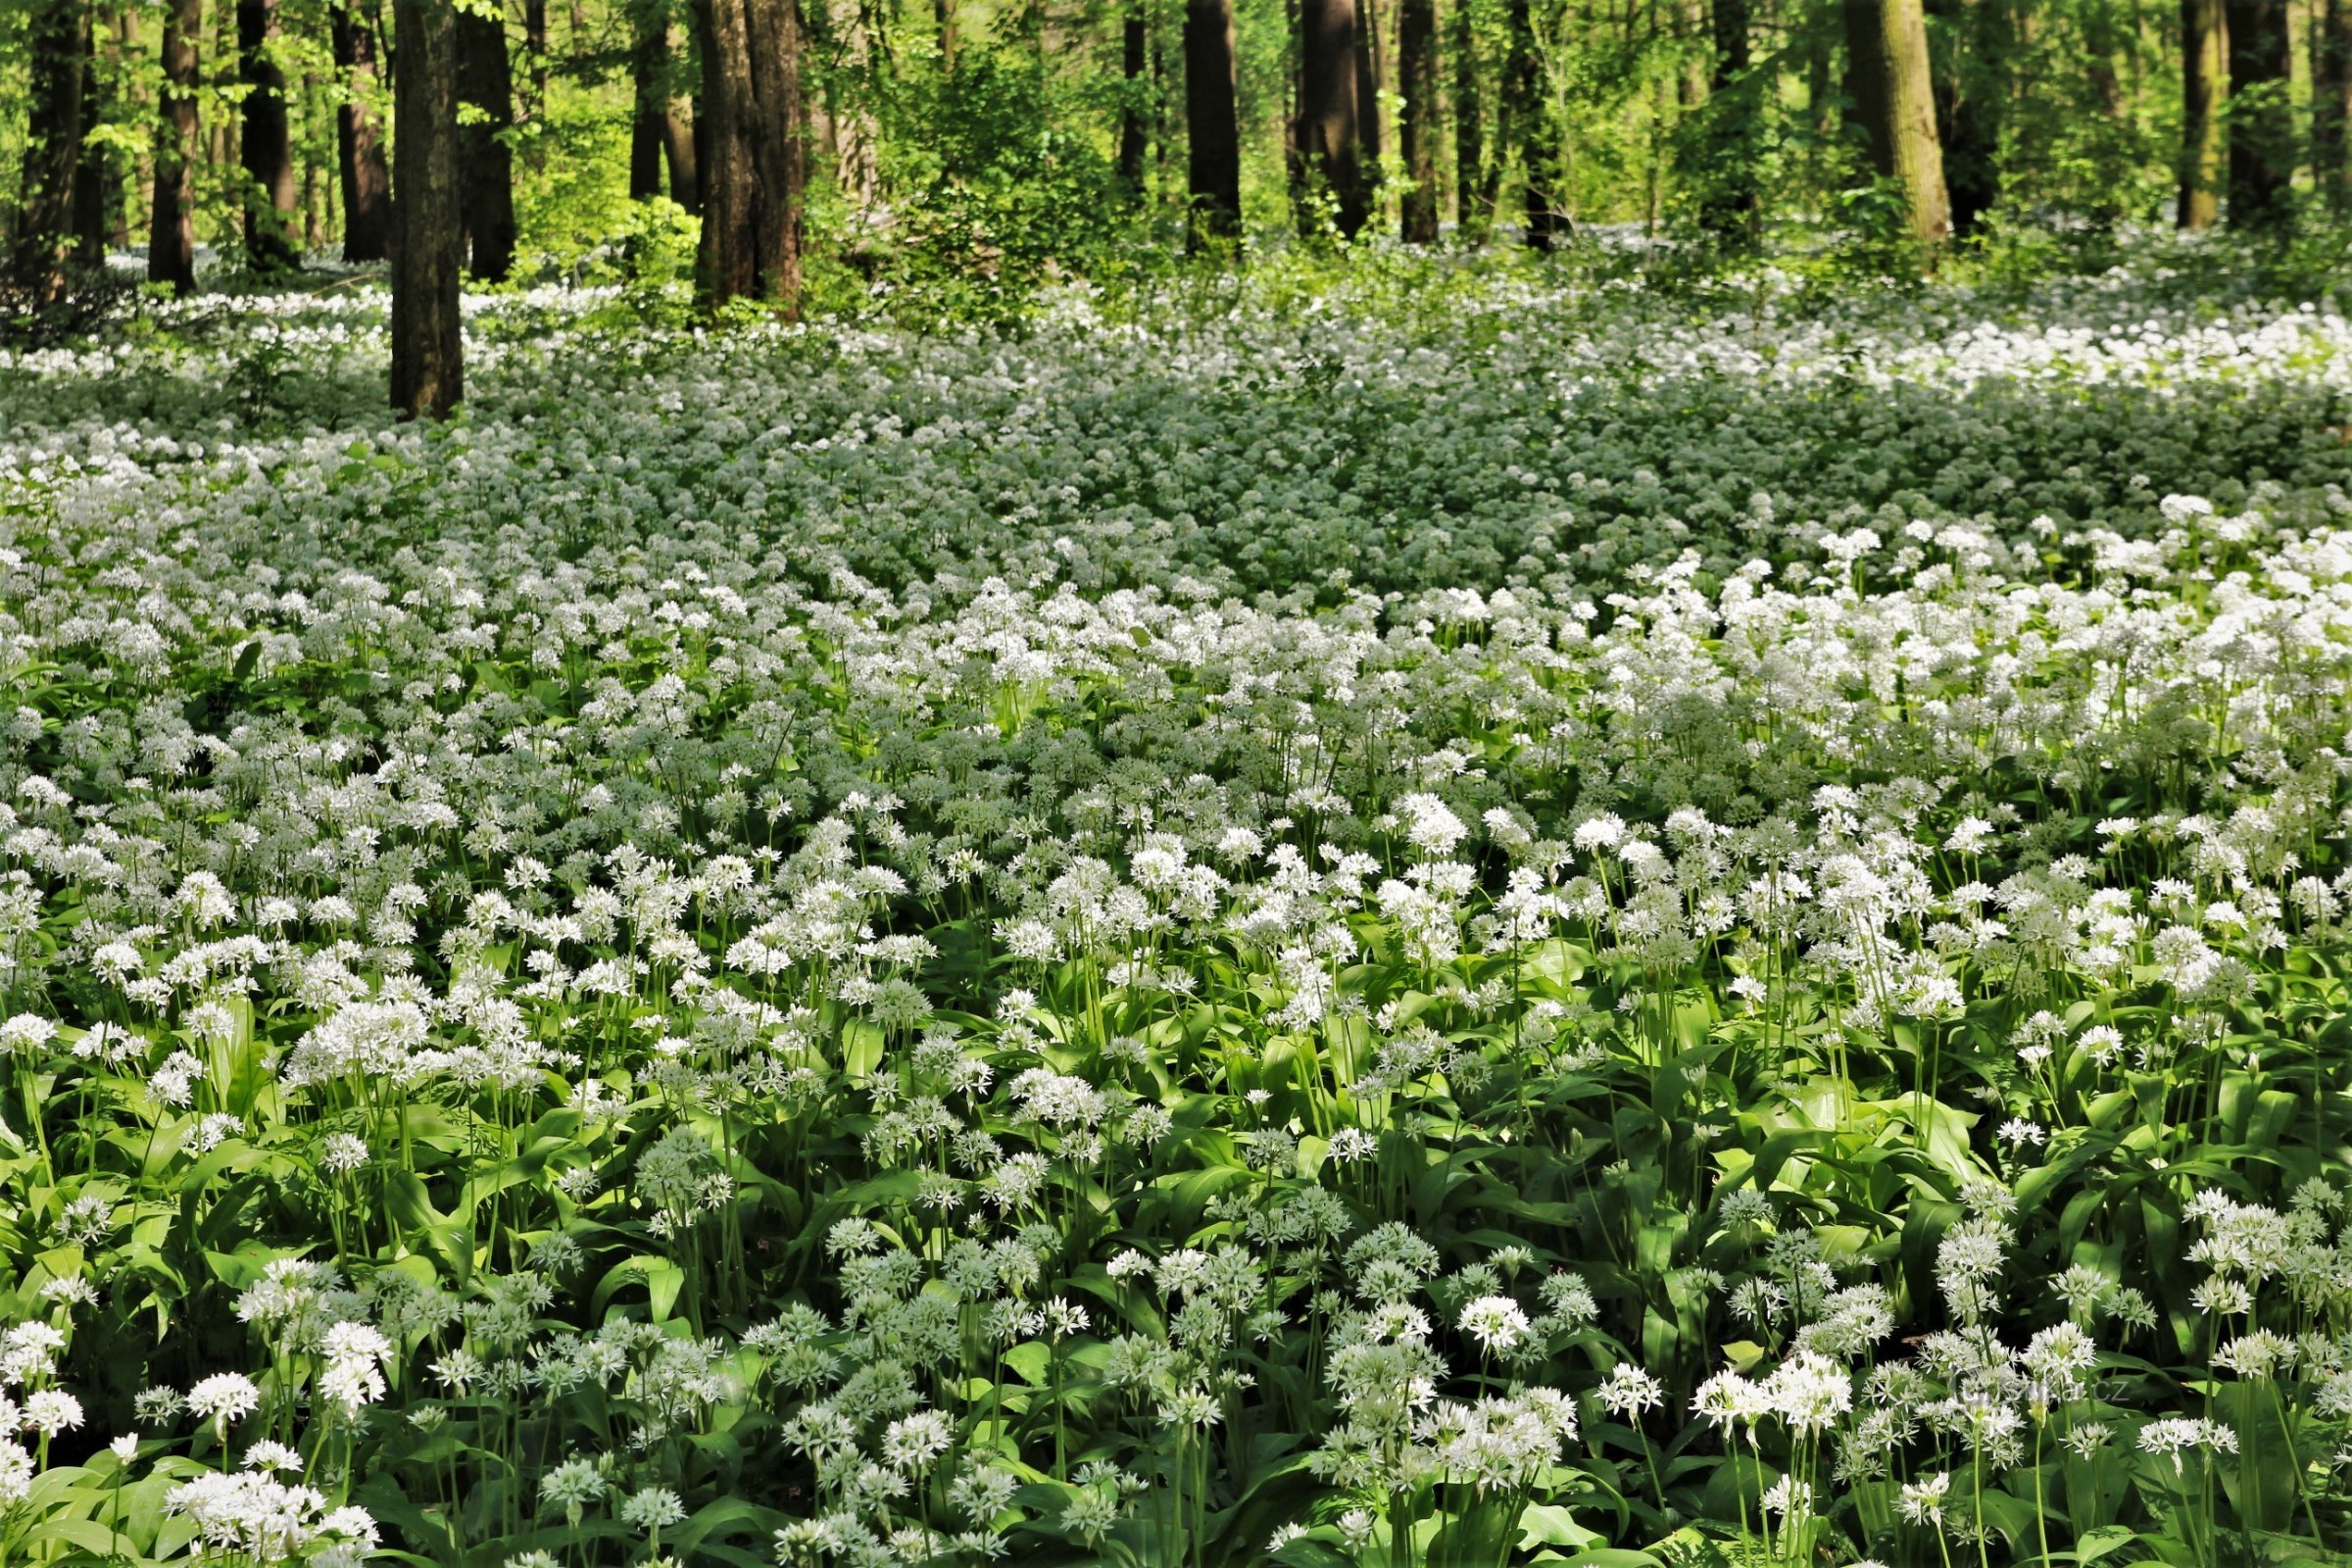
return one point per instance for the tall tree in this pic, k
(93, 171)
(1522, 118)
(2331, 103)
(1729, 204)
(1417, 131)
(2201, 130)
(1135, 49)
(273, 208)
(752, 176)
(1331, 141)
(428, 224)
(1971, 87)
(1894, 93)
(662, 132)
(2261, 120)
(58, 42)
(1212, 125)
(171, 226)
(1473, 202)
(365, 179)
(486, 160)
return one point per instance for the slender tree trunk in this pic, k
(1472, 206)
(92, 171)
(486, 162)
(1893, 92)
(751, 177)
(1417, 132)
(943, 20)
(428, 236)
(1521, 119)
(1370, 70)
(661, 132)
(171, 228)
(1331, 130)
(366, 181)
(58, 43)
(1729, 204)
(1969, 89)
(2261, 120)
(535, 46)
(1135, 60)
(681, 142)
(2332, 102)
(1212, 129)
(272, 206)
(2201, 132)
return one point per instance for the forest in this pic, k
(1322, 783)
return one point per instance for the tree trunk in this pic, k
(57, 42)
(1969, 94)
(1521, 119)
(2331, 103)
(1894, 93)
(681, 143)
(2201, 130)
(367, 183)
(535, 48)
(1331, 127)
(428, 237)
(272, 208)
(94, 172)
(1135, 53)
(1729, 204)
(1471, 214)
(752, 179)
(486, 162)
(2261, 120)
(943, 18)
(1212, 131)
(1417, 131)
(661, 133)
(172, 231)
(1369, 70)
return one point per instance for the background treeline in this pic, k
(993, 141)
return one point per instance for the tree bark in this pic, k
(1417, 131)
(486, 83)
(2261, 120)
(1969, 93)
(273, 208)
(1893, 92)
(1135, 50)
(2201, 129)
(58, 44)
(1471, 214)
(427, 224)
(1521, 119)
(172, 227)
(2331, 103)
(366, 181)
(751, 245)
(1213, 131)
(1330, 122)
(943, 18)
(661, 133)
(93, 174)
(1730, 206)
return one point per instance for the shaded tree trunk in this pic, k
(367, 184)
(1331, 141)
(2332, 102)
(58, 42)
(535, 47)
(171, 228)
(486, 162)
(1134, 62)
(1212, 129)
(272, 208)
(94, 172)
(1969, 94)
(2201, 132)
(943, 19)
(1521, 120)
(1418, 130)
(751, 245)
(1473, 202)
(428, 236)
(1729, 206)
(1369, 70)
(661, 133)
(2261, 120)
(1894, 93)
